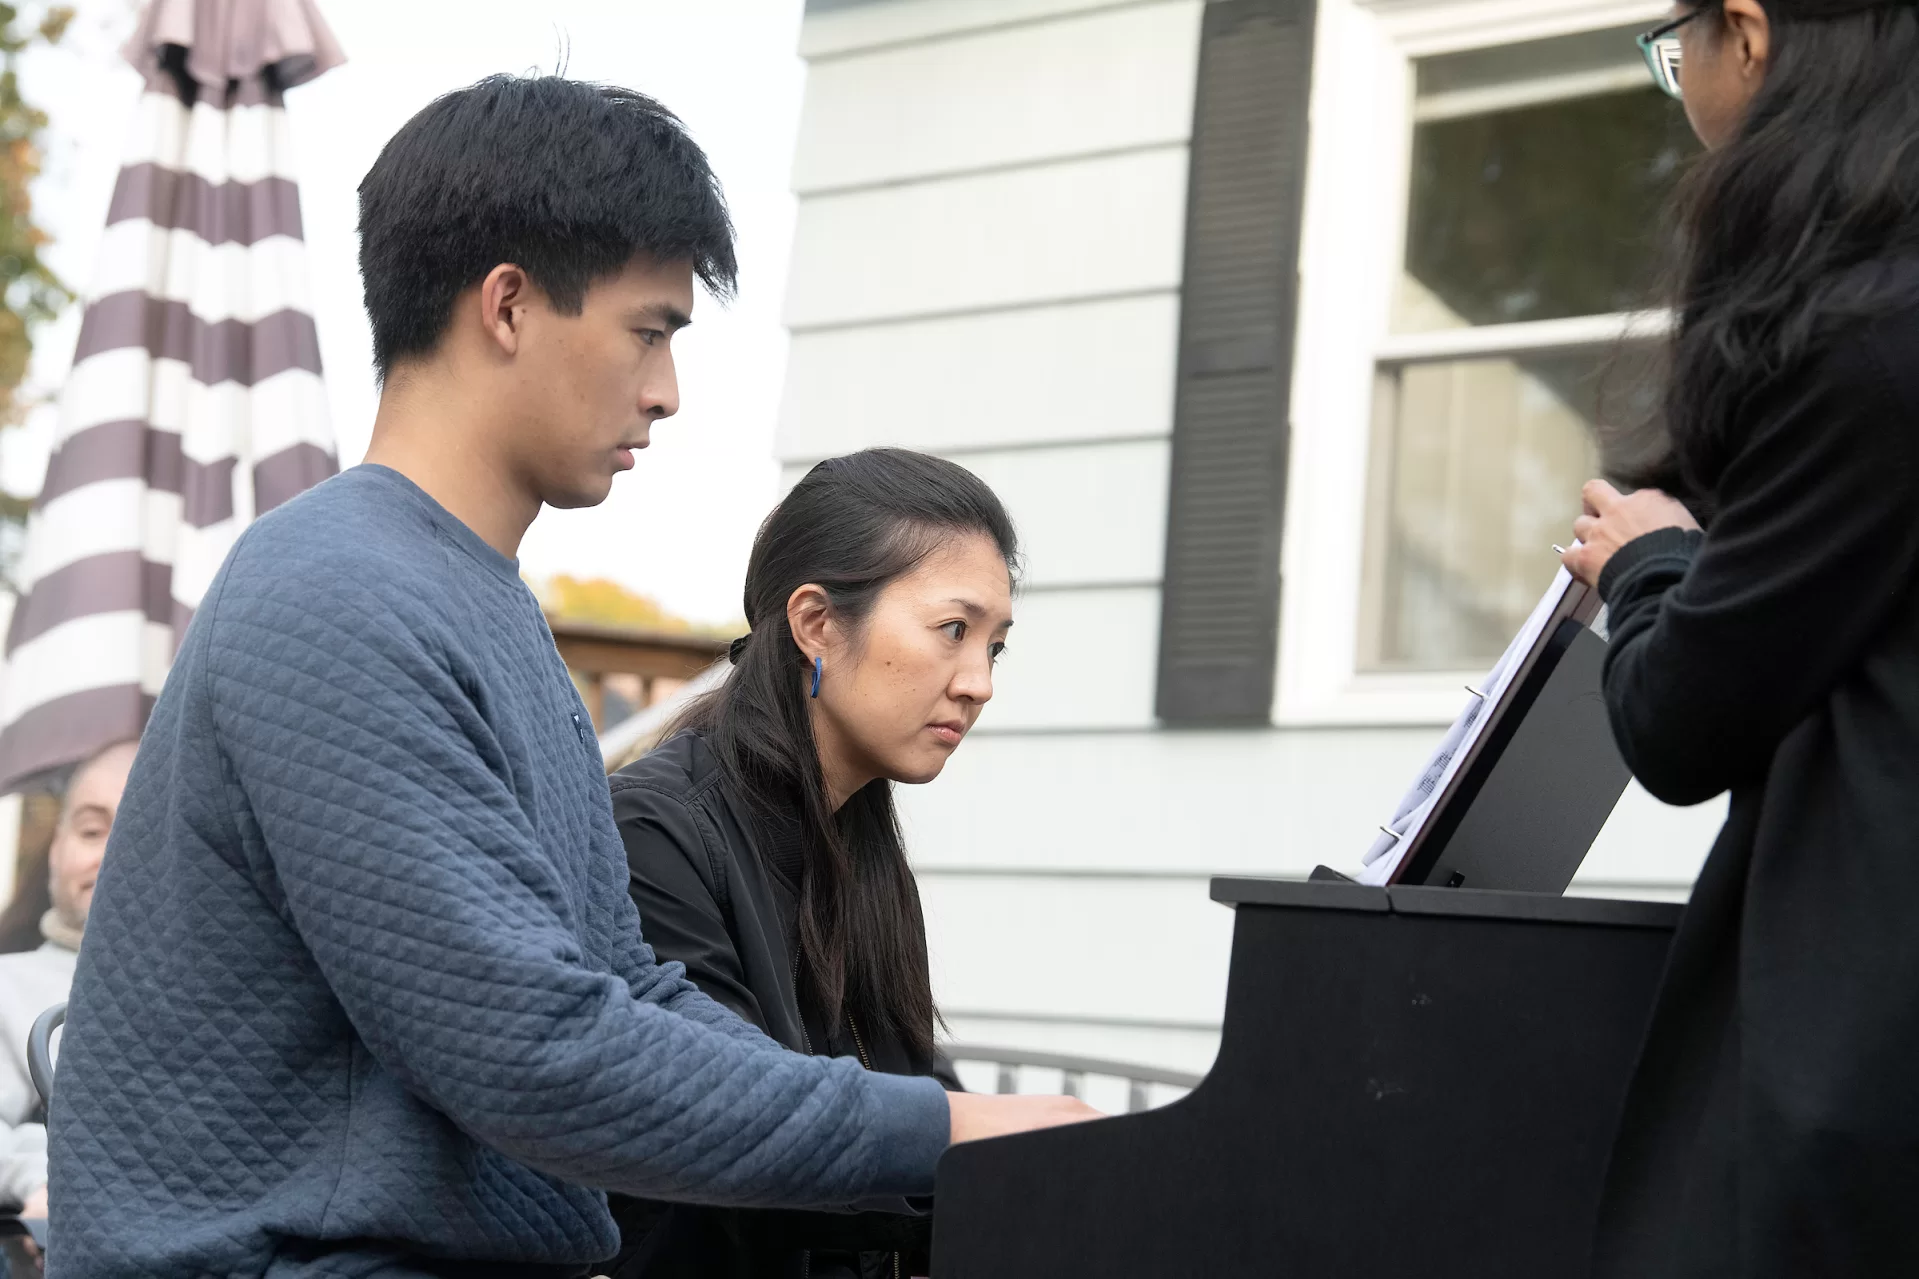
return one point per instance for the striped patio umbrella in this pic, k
(195, 401)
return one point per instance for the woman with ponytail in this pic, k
(1772, 1127)
(764, 847)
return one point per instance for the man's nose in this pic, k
(662, 395)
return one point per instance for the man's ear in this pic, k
(809, 615)
(504, 296)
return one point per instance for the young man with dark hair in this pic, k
(363, 991)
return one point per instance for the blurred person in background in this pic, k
(1772, 1127)
(763, 843)
(35, 980)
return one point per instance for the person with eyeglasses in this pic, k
(1772, 1125)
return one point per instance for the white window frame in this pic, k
(1352, 246)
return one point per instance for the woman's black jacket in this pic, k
(1772, 1128)
(717, 885)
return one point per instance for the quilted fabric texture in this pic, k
(363, 992)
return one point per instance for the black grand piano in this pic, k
(1413, 1079)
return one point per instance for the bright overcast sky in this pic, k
(678, 526)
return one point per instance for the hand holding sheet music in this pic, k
(1612, 519)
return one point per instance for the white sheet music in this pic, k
(1383, 858)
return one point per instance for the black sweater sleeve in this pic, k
(673, 881)
(1720, 645)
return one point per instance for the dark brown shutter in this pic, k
(1219, 621)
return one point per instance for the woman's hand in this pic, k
(977, 1115)
(1613, 519)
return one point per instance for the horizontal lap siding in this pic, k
(1077, 659)
(1088, 515)
(1200, 803)
(1038, 948)
(1085, 370)
(988, 268)
(1076, 229)
(1003, 97)
(851, 28)
(1195, 803)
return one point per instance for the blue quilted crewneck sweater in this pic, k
(363, 992)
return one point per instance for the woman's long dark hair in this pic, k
(1783, 233)
(852, 526)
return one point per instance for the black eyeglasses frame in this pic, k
(1664, 74)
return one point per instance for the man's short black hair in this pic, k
(568, 180)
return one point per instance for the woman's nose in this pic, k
(974, 682)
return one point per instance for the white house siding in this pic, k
(986, 266)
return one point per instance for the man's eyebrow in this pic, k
(670, 318)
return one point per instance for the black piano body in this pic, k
(1410, 1081)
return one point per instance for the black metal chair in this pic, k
(40, 1051)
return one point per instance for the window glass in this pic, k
(1487, 459)
(1539, 173)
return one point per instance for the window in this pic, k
(1538, 174)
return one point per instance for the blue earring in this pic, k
(818, 662)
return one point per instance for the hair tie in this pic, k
(737, 647)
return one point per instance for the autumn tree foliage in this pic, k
(597, 599)
(30, 293)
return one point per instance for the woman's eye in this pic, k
(955, 631)
(996, 650)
